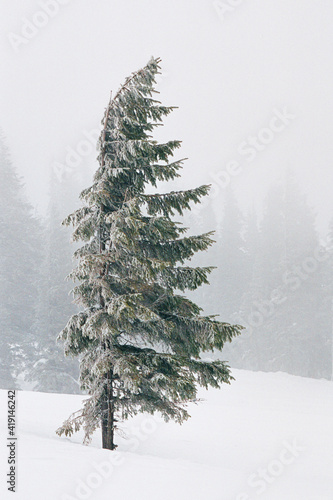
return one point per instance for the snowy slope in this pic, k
(267, 436)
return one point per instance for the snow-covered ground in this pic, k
(266, 436)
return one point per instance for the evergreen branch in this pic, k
(166, 203)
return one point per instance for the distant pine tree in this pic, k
(139, 341)
(230, 260)
(287, 306)
(50, 371)
(245, 350)
(289, 333)
(19, 273)
(230, 280)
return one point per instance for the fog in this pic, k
(253, 86)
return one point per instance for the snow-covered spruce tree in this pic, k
(139, 342)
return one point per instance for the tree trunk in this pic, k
(107, 403)
(108, 419)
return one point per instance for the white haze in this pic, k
(226, 75)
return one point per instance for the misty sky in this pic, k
(231, 72)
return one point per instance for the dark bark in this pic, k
(108, 419)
